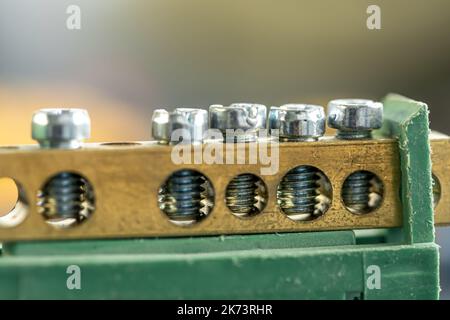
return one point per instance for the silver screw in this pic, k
(243, 120)
(187, 123)
(240, 122)
(67, 198)
(299, 189)
(297, 122)
(242, 195)
(183, 197)
(355, 118)
(61, 128)
(356, 191)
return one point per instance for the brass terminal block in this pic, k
(440, 157)
(125, 181)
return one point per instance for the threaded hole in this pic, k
(362, 192)
(246, 195)
(436, 190)
(304, 193)
(186, 197)
(13, 203)
(66, 200)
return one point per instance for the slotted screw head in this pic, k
(247, 117)
(190, 124)
(355, 118)
(60, 128)
(298, 122)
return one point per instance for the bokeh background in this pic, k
(133, 56)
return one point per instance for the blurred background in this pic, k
(133, 56)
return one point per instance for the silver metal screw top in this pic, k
(355, 118)
(183, 125)
(184, 196)
(246, 119)
(297, 122)
(60, 128)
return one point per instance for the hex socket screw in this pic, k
(67, 194)
(238, 122)
(60, 128)
(299, 188)
(297, 122)
(182, 196)
(355, 119)
(183, 125)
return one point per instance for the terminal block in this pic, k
(317, 224)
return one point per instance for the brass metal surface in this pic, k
(126, 179)
(440, 157)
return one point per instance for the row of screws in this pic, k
(66, 196)
(353, 118)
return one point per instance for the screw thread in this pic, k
(356, 191)
(241, 194)
(182, 196)
(298, 191)
(65, 196)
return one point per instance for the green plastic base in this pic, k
(288, 266)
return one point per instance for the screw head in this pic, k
(298, 122)
(355, 115)
(247, 117)
(189, 124)
(60, 128)
(160, 125)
